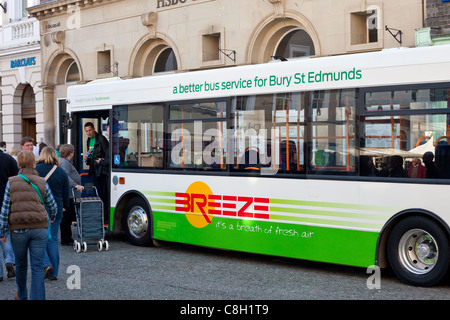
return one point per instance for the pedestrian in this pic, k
(8, 258)
(48, 167)
(416, 170)
(27, 144)
(3, 146)
(42, 145)
(104, 164)
(97, 146)
(8, 169)
(13, 153)
(432, 171)
(66, 152)
(24, 216)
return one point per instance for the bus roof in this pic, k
(382, 68)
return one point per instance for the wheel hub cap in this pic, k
(138, 222)
(418, 251)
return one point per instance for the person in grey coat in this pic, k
(66, 152)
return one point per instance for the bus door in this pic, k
(100, 120)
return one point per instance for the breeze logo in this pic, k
(200, 205)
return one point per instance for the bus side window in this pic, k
(442, 158)
(138, 136)
(332, 128)
(288, 155)
(197, 136)
(268, 133)
(396, 128)
(123, 149)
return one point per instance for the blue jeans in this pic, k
(33, 241)
(8, 253)
(52, 252)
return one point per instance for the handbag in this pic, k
(40, 196)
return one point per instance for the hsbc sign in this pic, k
(168, 3)
(165, 4)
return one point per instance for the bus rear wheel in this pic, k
(418, 251)
(137, 222)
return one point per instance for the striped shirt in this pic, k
(50, 205)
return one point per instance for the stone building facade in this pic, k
(21, 103)
(82, 41)
(438, 17)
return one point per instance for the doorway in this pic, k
(100, 119)
(28, 113)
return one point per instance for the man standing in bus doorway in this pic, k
(103, 165)
(97, 147)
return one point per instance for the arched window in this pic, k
(28, 98)
(296, 43)
(166, 61)
(73, 74)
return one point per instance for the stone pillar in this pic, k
(49, 115)
(1, 113)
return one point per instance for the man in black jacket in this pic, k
(97, 147)
(8, 168)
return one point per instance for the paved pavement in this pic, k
(185, 273)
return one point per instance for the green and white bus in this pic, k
(316, 158)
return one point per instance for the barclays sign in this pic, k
(25, 62)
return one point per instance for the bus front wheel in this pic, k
(418, 251)
(137, 222)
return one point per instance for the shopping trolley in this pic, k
(90, 221)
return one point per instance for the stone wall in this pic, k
(438, 16)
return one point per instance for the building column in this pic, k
(1, 112)
(49, 115)
(11, 112)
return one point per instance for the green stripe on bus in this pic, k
(329, 213)
(161, 207)
(319, 243)
(342, 223)
(159, 193)
(161, 200)
(333, 205)
(296, 207)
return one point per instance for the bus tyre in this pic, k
(137, 222)
(418, 251)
